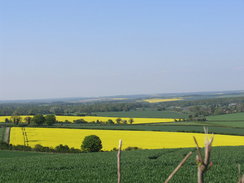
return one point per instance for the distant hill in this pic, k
(135, 98)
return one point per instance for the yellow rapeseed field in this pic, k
(157, 100)
(103, 119)
(143, 139)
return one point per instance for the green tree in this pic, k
(7, 120)
(110, 122)
(190, 117)
(16, 119)
(131, 120)
(62, 148)
(28, 120)
(91, 143)
(38, 119)
(124, 122)
(50, 119)
(118, 120)
(80, 121)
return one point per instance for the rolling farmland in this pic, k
(121, 91)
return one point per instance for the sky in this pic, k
(76, 48)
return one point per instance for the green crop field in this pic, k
(230, 120)
(1, 133)
(147, 113)
(227, 117)
(235, 124)
(137, 166)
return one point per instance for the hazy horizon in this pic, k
(135, 94)
(61, 49)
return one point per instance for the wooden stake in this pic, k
(198, 149)
(178, 167)
(241, 178)
(118, 160)
(203, 164)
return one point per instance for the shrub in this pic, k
(62, 148)
(22, 148)
(91, 143)
(115, 149)
(110, 122)
(132, 148)
(40, 148)
(4, 145)
(66, 122)
(73, 150)
(80, 121)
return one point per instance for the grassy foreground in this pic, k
(137, 166)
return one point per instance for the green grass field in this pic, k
(147, 113)
(137, 166)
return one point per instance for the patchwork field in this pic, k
(143, 139)
(103, 119)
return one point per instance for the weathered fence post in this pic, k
(203, 164)
(118, 161)
(241, 178)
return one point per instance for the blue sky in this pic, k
(55, 48)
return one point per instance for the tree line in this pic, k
(195, 108)
(50, 119)
(37, 120)
(66, 108)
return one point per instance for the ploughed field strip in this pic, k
(101, 119)
(52, 137)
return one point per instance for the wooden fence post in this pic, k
(203, 164)
(118, 161)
